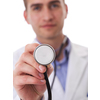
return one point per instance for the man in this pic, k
(47, 19)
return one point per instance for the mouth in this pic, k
(47, 26)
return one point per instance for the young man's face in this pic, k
(46, 17)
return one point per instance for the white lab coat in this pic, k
(77, 76)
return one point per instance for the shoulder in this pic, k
(18, 52)
(79, 50)
(16, 55)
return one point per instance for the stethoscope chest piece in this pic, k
(44, 54)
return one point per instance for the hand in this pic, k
(28, 77)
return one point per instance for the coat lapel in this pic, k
(57, 89)
(75, 71)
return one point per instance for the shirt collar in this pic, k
(68, 47)
(66, 56)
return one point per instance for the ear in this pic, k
(25, 16)
(66, 9)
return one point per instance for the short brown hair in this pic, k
(25, 3)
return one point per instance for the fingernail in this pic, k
(41, 75)
(49, 66)
(42, 81)
(41, 68)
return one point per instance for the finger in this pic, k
(27, 79)
(27, 69)
(49, 70)
(31, 47)
(29, 59)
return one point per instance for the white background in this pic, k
(82, 26)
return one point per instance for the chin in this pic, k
(49, 34)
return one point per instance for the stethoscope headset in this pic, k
(44, 54)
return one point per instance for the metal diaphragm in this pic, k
(44, 54)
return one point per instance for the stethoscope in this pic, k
(44, 54)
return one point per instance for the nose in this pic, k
(47, 14)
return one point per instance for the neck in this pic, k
(54, 42)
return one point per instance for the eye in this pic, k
(36, 8)
(54, 5)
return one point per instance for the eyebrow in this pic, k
(39, 4)
(33, 5)
(56, 1)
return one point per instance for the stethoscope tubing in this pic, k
(45, 74)
(48, 86)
